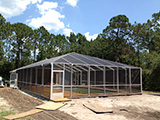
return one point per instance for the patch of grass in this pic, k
(4, 112)
(84, 90)
(151, 92)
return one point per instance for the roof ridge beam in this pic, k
(95, 61)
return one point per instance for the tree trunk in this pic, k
(34, 54)
(138, 58)
(18, 54)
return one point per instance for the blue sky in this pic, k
(88, 17)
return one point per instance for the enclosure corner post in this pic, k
(141, 80)
(71, 81)
(114, 79)
(104, 80)
(81, 77)
(26, 82)
(42, 78)
(31, 79)
(95, 77)
(130, 86)
(63, 79)
(36, 80)
(126, 79)
(51, 87)
(23, 78)
(117, 80)
(88, 80)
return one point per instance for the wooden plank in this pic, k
(50, 106)
(24, 114)
(98, 108)
(61, 100)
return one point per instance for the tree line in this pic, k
(136, 44)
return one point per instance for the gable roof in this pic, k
(78, 59)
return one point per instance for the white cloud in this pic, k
(35, 1)
(73, 3)
(10, 8)
(47, 6)
(50, 18)
(89, 37)
(67, 31)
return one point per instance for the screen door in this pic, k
(58, 84)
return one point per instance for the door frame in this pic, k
(52, 94)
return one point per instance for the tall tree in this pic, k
(2, 37)
(118, 32)
(137, 37)
(21, 43)
(52, 49)
(72, 39)
(83, 44)
(42, 42)
(156, 29)
(62, 45)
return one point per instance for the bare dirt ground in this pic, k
(13, 98)
(4, 104)
(136, 107)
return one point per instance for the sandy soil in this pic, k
(141, 107)
(4, 105)
(136, 107)
(12, 98)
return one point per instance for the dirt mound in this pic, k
(24, 103)
(136, 107)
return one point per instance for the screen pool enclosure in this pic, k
(75, 75)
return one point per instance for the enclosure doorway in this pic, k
(58, 84)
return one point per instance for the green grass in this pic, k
(84, 90)
(4, 112)
(151, 92)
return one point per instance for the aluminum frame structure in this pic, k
(83, 76)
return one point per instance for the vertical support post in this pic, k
(51, 87)
(42, 78)
(71, 81)
(130, 86)
(113, 79)
(19, 78)
(30, 79)
(78, 78)
(104, 80)
(126, 78)
(23, 78)
(81, 78)
(10, 77)
(36, 80)
(94, 77)
(26, 79)
(141, 80)
(17, 72)
(63, 79)
(19, 81)
(117, 80)
(88, 80)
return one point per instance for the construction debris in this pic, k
(61, 100)
(97, 108)
(24, 114)
(50, 106)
